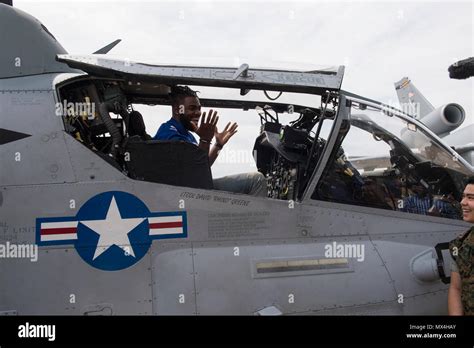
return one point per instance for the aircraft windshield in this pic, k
(396, 131)
(388, 162)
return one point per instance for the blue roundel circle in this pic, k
(113, 231)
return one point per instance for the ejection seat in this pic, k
(136, 126)
(167, 162)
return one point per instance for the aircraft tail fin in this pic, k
(106, 49)
(411, 100)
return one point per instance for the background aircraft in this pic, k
(443, 120)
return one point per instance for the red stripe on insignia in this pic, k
(166, 224)
(65, 230)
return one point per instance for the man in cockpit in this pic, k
(186, 118)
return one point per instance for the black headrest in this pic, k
(136, 126)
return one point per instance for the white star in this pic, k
(113, 230)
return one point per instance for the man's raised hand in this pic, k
(223, 137)
(207, 128)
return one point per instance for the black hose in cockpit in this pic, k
(112, 128)
(104, 115)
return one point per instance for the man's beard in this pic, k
(186, 122)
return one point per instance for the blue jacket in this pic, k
(174, 130)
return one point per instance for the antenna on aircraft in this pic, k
(7, 2)
(106, 49)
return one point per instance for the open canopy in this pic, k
(317, 81)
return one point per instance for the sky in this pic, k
(377, 42)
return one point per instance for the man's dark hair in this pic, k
(178, 93)
(470, 180)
